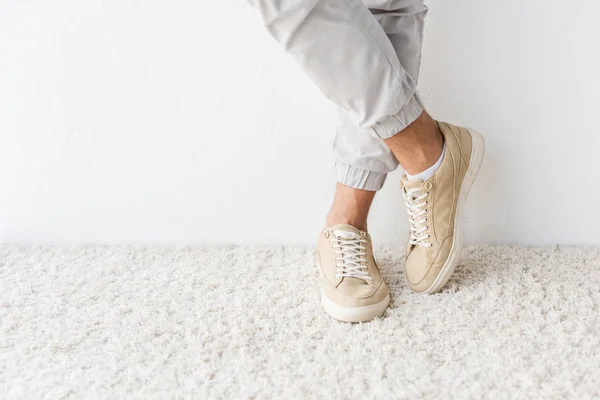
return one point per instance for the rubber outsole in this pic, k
(354, 314)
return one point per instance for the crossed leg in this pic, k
(365, 58)
(363, 159)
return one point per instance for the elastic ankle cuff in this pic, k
(395, 123)
(359, 178)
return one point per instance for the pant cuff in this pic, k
(359, 178)
(393, 124)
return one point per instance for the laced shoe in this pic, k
(352, 287)
(435, 210)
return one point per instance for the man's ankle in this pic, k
(350, 206)
(419, 145)
(357, 222)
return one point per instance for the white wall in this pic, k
(161, 122)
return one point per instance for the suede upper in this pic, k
(348, 291)
(423, 264)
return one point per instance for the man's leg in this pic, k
(363, 159)
(439, 174)
(346, 52)
(418, 146)
(350, 206)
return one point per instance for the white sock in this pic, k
(428, 173)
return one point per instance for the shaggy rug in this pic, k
(246, 323)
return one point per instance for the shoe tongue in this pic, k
(349, 281)
(408, 184)
(345, 228)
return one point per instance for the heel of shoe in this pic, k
(477, 153)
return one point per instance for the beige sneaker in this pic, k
(352, 287)
(434, 208)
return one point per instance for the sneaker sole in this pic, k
(352, 314)
(457, 245)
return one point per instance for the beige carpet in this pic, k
(246, 323)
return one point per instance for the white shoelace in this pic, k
(416, 208)
(351, 255)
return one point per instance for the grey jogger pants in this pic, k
(364, 56)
